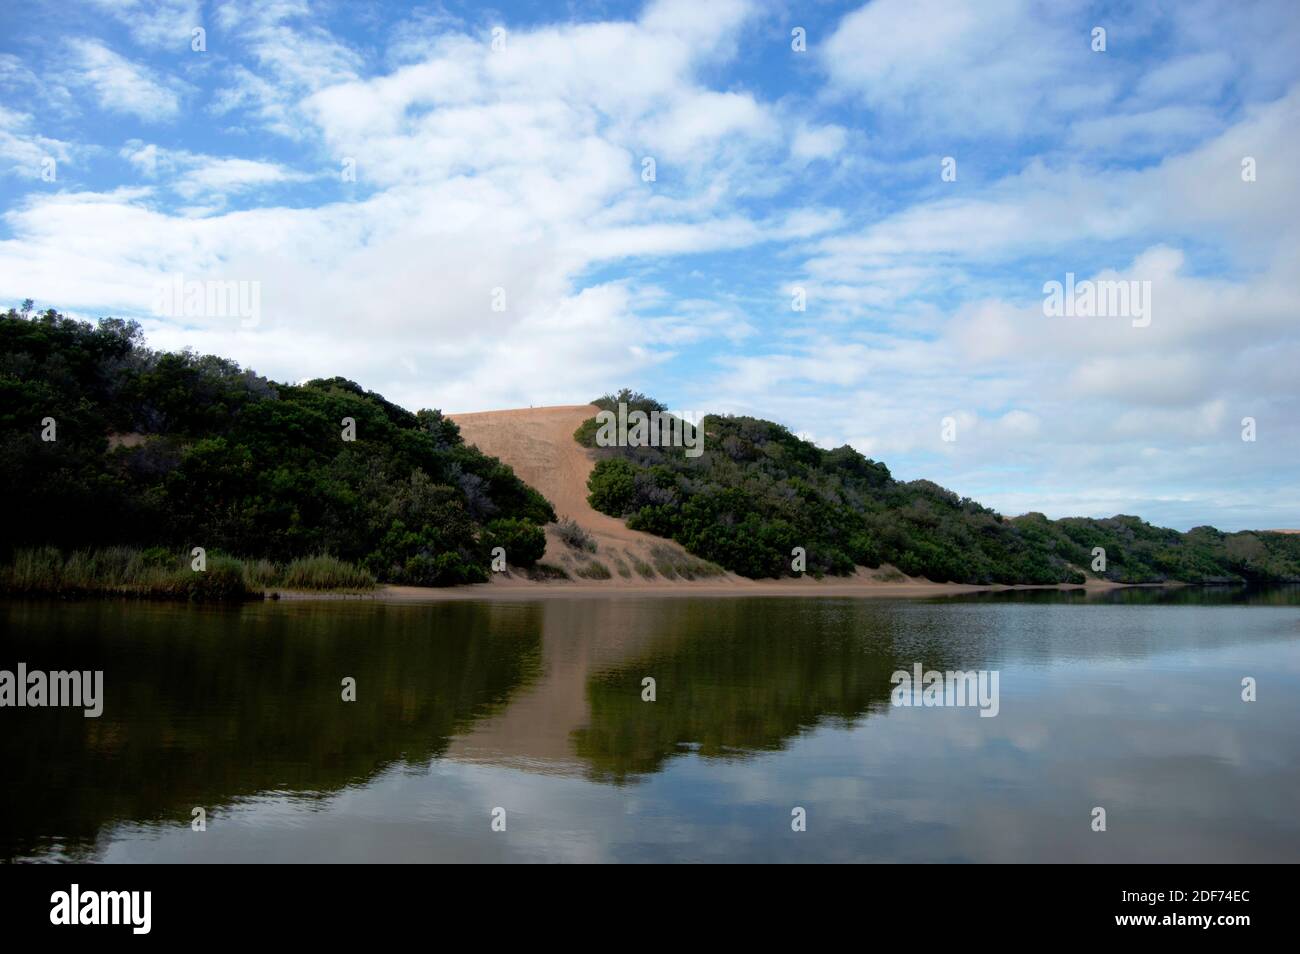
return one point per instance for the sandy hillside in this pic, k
(538, 443)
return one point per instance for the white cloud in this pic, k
(162, 23)
(1153, 131)
(517, 171)
(295, 56)
(818, 142)
(119, 84)
(194, 176)
(1073, 402)
(1195, 77)
(965, 67)
(25, 151)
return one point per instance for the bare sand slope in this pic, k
(538, 443)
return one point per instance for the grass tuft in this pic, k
(575, 536)
(547, 571)
(593, 570)
(620, 566)
(325, 572)
(640, 565)
(671, 562)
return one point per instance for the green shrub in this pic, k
(612, 486)
(523, 541)
(444, 569)
(222, 581)
(586, 433)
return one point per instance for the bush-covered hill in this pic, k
(183, 450)
(757, 492)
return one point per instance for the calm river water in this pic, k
(531, 714)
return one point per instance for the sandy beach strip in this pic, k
(828, 587)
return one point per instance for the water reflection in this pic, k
(761, 703)
(203, 706)
(1225, 595)
(745, 677)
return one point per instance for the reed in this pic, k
(165, 574)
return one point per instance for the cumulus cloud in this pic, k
(993, 66)
(477, 171)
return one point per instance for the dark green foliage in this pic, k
(223, 581)
(633, 400)
(207, 454)
(1137, 552)
(758, 491)
(613, 485)
(523, 541)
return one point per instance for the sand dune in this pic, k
(538, 443)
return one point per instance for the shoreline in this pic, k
(522, 590)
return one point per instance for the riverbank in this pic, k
(857, 587)
(157, 574)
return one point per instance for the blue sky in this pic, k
(128, 157)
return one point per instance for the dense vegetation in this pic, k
(178, 450)
(155, 453)
(758, 491)
(162, 574)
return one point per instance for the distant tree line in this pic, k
(758, 491)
